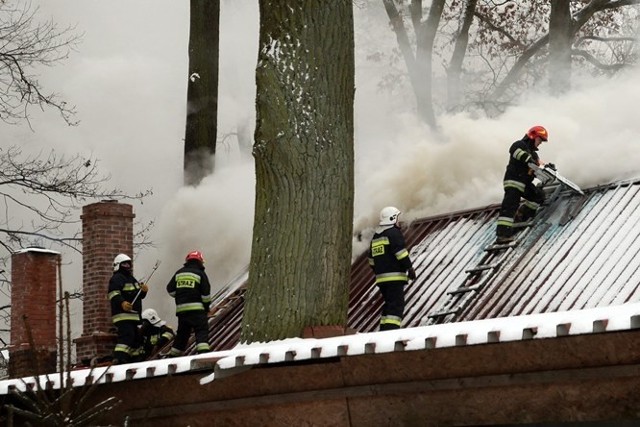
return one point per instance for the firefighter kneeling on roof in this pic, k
(155, 333)
(389, 258)
(192, 291)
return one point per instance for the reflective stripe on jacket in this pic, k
(389, 256)
(191, 288)
(124, 287)
(521, 153)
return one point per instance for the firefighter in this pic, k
(390, 261)
(518, 183)
(126, 295)
(155, 332)
(192, 292)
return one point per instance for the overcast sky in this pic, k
(128, 82)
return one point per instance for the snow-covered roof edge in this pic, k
(36, 249)
(506, 329)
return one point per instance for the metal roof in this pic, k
(570, 273)
(579, 253)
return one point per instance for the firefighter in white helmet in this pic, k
(125, 294)
(155, 332)
(390, 261)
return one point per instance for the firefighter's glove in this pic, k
(144, 287)
(412, 274)
(126, 306)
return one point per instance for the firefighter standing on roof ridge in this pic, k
(192, 291)
(389, 258)
(126, 295)
(518, 183)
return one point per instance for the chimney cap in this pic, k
(38, 249)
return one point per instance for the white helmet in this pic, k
(389, 215)
(152, 317)
(120, 258)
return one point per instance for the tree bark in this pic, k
(301, 253)
(202, 90)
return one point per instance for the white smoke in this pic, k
(129, 81)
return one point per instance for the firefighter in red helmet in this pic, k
(192, 292)
(518, 184)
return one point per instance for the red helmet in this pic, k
(538, 131)
(197, 255)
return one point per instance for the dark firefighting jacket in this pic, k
(191, 288)
(389, 256)
(521, 153)
(124, 287)
(155, 337)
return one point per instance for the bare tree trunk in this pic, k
(560, 34)
(301, 253)
(403, 44)
(419, 66)
(459, 51)
(202, 90)
(426, 36)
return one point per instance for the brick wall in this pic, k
(34, 278)
(107, 230)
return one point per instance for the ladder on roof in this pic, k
(494, 256)
(476, 278)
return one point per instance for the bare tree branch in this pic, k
(579, 19)
(40, 196)
(594, 61)
(25, 45)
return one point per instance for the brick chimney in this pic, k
(34, 278)
(107, 230)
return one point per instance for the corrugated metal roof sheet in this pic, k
(579, 253)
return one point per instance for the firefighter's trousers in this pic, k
(393, 307)
(513, 192)
(191, 321)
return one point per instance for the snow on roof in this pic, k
(37, 249)
(489, 331)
